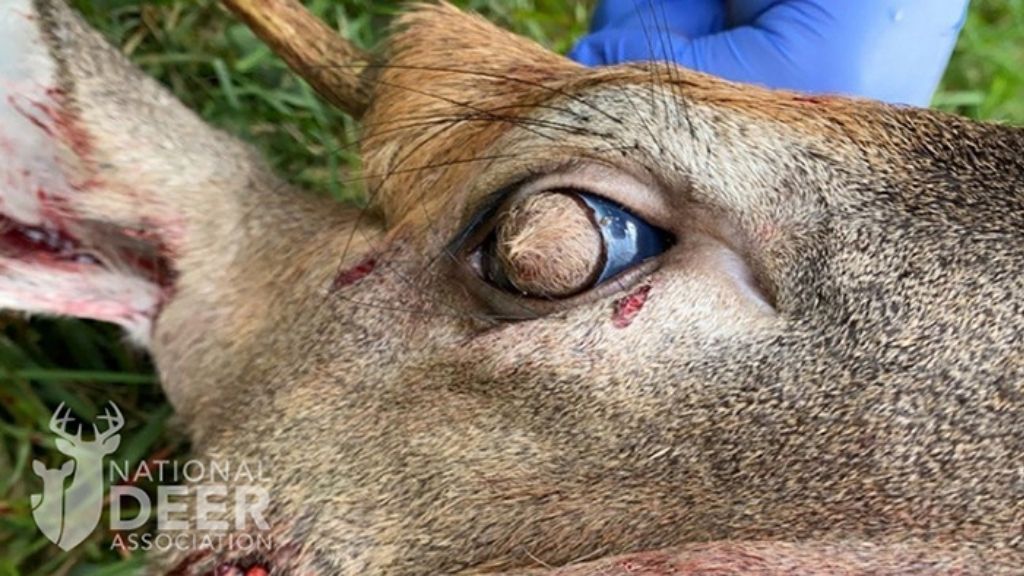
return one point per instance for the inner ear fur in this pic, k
(115, 197)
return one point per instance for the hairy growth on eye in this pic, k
(548, 245)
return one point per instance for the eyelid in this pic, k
(641, 196)
(630, 189)
(481, 223)
(504, 306)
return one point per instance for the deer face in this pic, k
(590, 311)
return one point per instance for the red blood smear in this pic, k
(813, 99)
(627, 308)
(29, 116)
(354, 274)
(44, 241)
(51, 245)
(73, 134)
(52, 208)
(227, 570)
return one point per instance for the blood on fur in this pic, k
(65, 126)
(52, 244)
(812, 99)
(41, 241)
(627, 308)
(354, 274)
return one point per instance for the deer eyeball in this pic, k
(559, 243)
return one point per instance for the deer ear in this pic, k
(39, 468)
(110, 189)
(439, 39)
(64, 446)
(111, 444)
(68, 467)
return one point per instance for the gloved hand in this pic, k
(891, 50)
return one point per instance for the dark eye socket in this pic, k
(559, 243)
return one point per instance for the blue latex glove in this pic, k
(889, 50)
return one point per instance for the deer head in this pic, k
(48, 506)
(590, 311)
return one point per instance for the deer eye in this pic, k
(559, 243)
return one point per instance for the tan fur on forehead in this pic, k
(452, 84)
(862, 123)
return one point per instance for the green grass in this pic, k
(219, 69)
(985, 79)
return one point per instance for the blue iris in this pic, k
(628, 240)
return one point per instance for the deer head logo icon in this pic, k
(68, 516)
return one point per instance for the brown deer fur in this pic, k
(823, 376)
